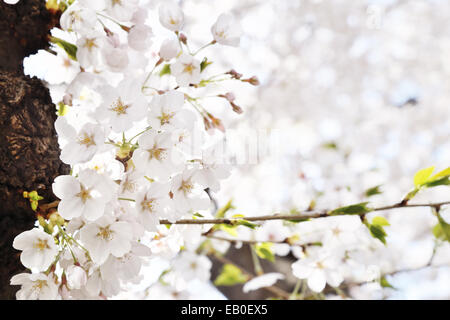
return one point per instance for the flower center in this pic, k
(87, 140)
(41, 245)
(129, 186)
(320, 265)
(119, 107)
(84, 194)
(148, 205)
(186, 187)
(90, 43)
(336, 231)
(189, 68)
(156, 153)
(165, 118)
(39, 284)
(105, 233)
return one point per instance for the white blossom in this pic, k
(226, 30)
(140, 37)
(76, 277)
(82, 145)
(265, 280)
(89, 49)
(156, 155)
(121, 106)
(152, 204)
(171, 16)
(318, 269)
(38, 249)
(170, 48)
(84, 196)
(106, 236)
(186, 70)
(36, 286)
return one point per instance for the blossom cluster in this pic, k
(132, 128)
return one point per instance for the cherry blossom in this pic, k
(84, 196)
(318, 269)
(169, 49)
(106, 236)
(186, 70)
(226, 30)
(152, 204)
(266, 280)
(38, 249)
(171, 16)
(35, 286)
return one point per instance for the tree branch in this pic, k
(298, 217)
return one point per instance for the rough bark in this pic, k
(29, 152)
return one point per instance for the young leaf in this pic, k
(248, 224)
(359, 208)
(441, 174)
(231, 230)
(378, 232)
(422, 176)
(204, 64)
(445, 227)
(230, 275)
(373, 191)
(381, 221)
(385, 284)
(165, 70)
(438, 232)
(264, 251)
(222, 211)
(68, 47)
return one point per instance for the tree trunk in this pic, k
(29, 152)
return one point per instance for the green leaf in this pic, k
(422, 176)
(385, 284)
(231, 230)
(245, 223)
(378, 232)
(445, 227)
(373, 191)
(359, 208)
(264, 251)
(330, 145)
(441, 174)
(204, 64)
(222, 211)
(380, 221)
(198, 215)
(165, 70)
(68, 47)
(230, 275)
(62, 109)
(444, 181)
(438, 232)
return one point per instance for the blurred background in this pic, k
(352, 95)
(355, 94)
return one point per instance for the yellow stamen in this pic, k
(105, 233)
(165, 118)
(119, 107)
(87, 140)
(41, 245)
(189, 68)
(90, 43)
(186, 187)
(84, 194)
